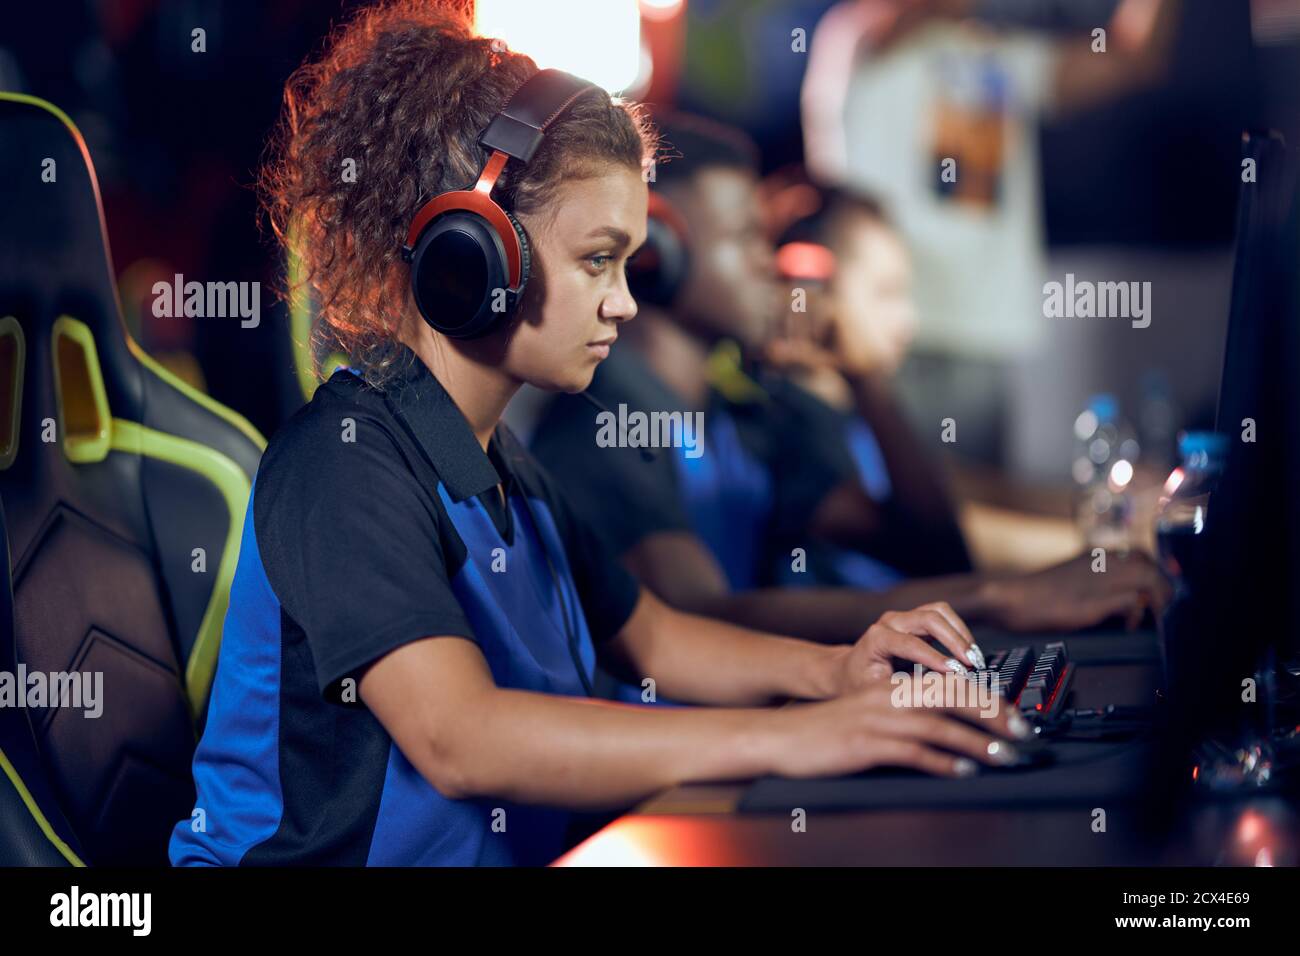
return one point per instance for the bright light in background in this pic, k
(668, 840)
(1121, 473)
(1083, 470)
(659, 10)
(626, 845)
(600, 42)
(1085, 424)
(645, 72)
(1249, 826)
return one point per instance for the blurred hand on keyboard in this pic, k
(1073, 595)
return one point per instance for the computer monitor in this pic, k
(1247, 626)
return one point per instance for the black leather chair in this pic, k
(32, 830)
(124, 491)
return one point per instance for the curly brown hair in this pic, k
(403, 90)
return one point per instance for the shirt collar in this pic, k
(419, 399)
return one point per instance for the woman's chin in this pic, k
(572, 381)
(581, 381)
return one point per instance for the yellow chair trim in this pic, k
(84, 420)
(333, 361)
(193, 394)
(43, 104)
(300, 323)
(26, 796)
(215, 407)
(11, 330)
(134, 438)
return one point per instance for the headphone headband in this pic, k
(469, 257)
(514, 133)
(518, 129)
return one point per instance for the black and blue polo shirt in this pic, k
(375, 521)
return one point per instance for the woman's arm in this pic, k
(920, 508)
(469, 738)
(702, 660)
(1067, 596)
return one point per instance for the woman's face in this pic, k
(731, 290)
(872, 297)
(577, 294)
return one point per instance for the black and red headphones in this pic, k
(469, 257)
(662, 264)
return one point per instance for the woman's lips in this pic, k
(600, 349)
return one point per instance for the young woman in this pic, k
(406, 664)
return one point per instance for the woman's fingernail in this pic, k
(975, 657)
(1019, 726)
(963, 767)
(955, 666)
(1002, 752)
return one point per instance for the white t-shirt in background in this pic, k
(886, 124)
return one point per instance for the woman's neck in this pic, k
(481, 391)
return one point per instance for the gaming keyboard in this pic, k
(1036, 680)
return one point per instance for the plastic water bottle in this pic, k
(1106, 453)
(1183, 547)
(1180, 522)
(1157, 421)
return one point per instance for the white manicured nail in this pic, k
(1002, 752)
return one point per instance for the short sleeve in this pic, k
(351, 544)
(622, 494)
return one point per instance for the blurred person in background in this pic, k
(846, 329)
(935, 112)
(935, 107)
(700, 531)
(847, 346)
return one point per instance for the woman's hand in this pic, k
(1075, 594)
(900, 634)
(875, 727)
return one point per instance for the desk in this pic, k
(1245, 833)
(698, 825)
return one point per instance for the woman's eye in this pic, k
(599, 262)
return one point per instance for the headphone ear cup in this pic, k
(525, 253)
(457, 265)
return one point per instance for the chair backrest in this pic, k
(28, 837)
(125, 492)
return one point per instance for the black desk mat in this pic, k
(1085, 772)
(1082, 771)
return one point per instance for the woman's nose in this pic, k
(620, 306)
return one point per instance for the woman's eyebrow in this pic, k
(613, 233)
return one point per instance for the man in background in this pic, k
(700, 531)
